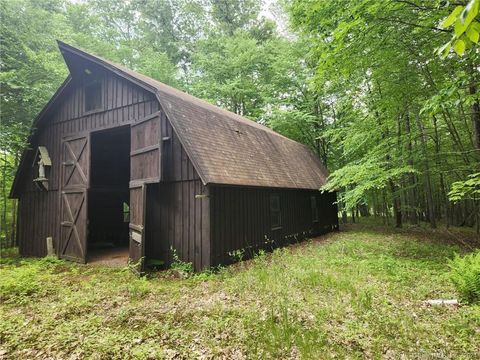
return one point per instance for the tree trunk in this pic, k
(443, 190)
(428, 184)
(13, 231)
(412, 212)
(3, 224)
(475, 112)
(397, 212)
(386, 210)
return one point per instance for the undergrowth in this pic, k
(465, 275)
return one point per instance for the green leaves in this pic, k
(466, 29)
(459, 47)
(467, 189)
(465, 275)
(450, 20)
(473, 32)
(470, 12)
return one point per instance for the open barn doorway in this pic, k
(108, 205)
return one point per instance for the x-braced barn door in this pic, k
(73, 198)
(145, 167)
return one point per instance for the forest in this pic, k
(385, 92)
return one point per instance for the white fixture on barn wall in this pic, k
(42, 159)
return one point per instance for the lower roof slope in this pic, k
(225, 147)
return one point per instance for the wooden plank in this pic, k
(135, 227)
(171, 217)
(191, 219)
(198, 231)
(206, 239)
(146, 118)
(144, 150)
(177, 209)
(185, 223)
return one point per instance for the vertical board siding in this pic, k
(241, 219)
(34, 226)
(39, 210)
(145, 146)
(176, 218)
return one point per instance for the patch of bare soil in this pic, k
(115, 257)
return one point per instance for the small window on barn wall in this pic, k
(126, 213)
(275, 212)
(313, 203)
(93, 96)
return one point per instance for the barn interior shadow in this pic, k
(108, 200)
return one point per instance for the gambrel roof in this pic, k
(224, 147)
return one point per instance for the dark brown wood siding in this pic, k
(122, 103)
(36, 221)
(241, 219)
(178, 217)
(178, 213)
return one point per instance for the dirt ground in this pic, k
(117, 257)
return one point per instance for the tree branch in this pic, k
(393, 20)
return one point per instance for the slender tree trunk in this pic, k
(477, 214)
(397, 208)
(13, 231)
(475, 112)
(428, 184)
(375, 206)
(397, 212)
(3, 225)
(448, 121)
(455, 136)
(343, 211)
(443, 189)
(15, 208)
(412, 213)
(386, 209)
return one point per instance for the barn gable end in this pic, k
(123, 103)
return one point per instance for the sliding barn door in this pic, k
(145, 167)
(73, 198)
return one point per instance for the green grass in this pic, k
(353, 294)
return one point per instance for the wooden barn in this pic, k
(117, 159)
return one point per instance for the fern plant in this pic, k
(465, 275)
